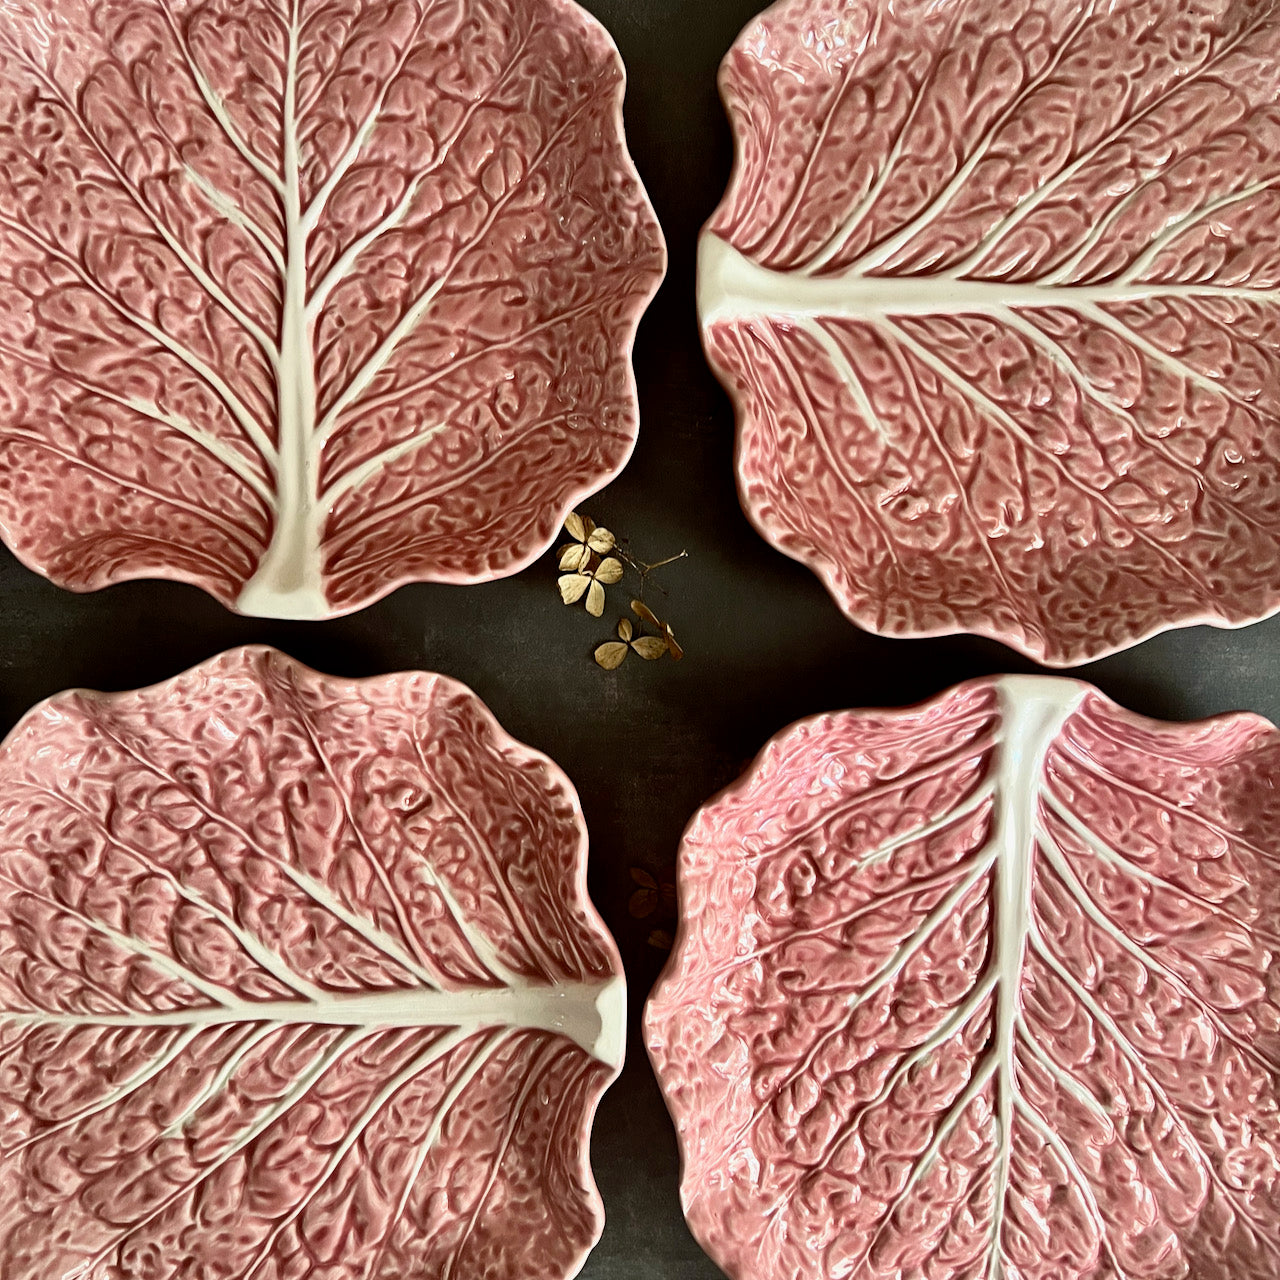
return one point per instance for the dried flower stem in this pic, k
(642, 569)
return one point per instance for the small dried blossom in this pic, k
(650, 895)
(664, 632)
(611, 654)
(655, 900)
(587, 539)
(573, 586)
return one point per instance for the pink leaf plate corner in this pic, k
(994, 290)
(301, 300)
(298, 977)
(984, 989)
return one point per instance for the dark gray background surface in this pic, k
(645, 745)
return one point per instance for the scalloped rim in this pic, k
(568, 10)
(237, 662)
(823, 567)
(651, 1033)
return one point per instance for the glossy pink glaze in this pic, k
(304, 299)
(983, 989)
(1026, 382)
(194, 880)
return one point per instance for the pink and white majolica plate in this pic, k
(983, 989)
(994, 289)
(298, 977)
(301, 300)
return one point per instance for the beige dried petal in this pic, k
(644, 613)
(650, 647)
(572, 586)
(574, 558)
(610, 654)
(609, 572)
(625, 630)
(574, 527)
(601, 541)
(672, 647)
(595, 599)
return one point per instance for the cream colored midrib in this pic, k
(731, 287)
(592, 1014)
(1033, 711)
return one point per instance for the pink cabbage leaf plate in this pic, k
(985, 989)
(994, 291)
(298, 977)
(301, 300)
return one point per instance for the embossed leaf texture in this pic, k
(304, 299)
(994, 290)
(984, 990)
(298, 978)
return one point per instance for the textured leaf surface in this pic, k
(297, 978)
(303, 299)
(994, 289)
(984, 990)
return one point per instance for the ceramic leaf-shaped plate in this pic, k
(994, 291)
(304, 299)
(298, 977)
(983, 989)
